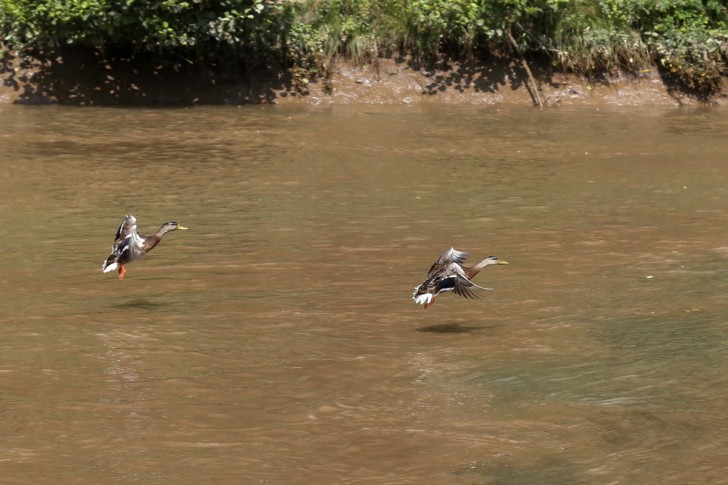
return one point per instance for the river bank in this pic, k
(85, 80)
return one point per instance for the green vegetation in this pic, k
(196, 30)
(687, 39)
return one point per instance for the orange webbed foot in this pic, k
(122, 271)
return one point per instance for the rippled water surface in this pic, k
(276, 341)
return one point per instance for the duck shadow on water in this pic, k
(142, 303)
(454, 327)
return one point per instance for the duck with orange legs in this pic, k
(129, 245)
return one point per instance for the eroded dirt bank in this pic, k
(86, 80)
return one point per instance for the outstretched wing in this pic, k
(128, 239)
(127, 225)
(127, 245)
(450, 256)
(464, 287)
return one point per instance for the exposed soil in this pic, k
(85, 79)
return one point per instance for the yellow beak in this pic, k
(181, 228)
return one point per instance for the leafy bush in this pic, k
(689, 39)
(163, 26)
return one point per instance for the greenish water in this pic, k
(276, 341)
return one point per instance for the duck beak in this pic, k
(500, 261)
(183, 228)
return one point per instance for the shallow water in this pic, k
(276, 341)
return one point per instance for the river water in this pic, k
(276, 341)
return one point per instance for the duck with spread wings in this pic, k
(129, 245)
(449, 273)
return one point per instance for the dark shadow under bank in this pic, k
(82, 77)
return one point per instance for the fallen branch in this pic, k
(534, 92)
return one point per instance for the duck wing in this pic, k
(129, 242)
(464, 287)
(441, 277)
(128, 225)
(453, 278)
(444, 262)
(128, 245)
(452, 255)
(447, 274)
(124, 251)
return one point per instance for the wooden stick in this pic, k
(534, 94)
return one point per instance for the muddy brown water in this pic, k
(276, 341)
